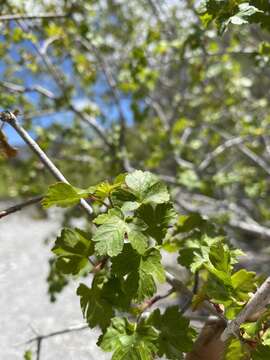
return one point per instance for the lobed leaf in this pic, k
(128, 341)
(73, 248)
(96, 308)
(175, 335)
(147, 187)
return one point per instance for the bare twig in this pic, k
(257, 159)
(157, 298)
(56, 333)
(11, 119)
(93, 123)
(39, 342)
(20, 206)
(238, 218)
(260, 299)
(10, 17)
(154, 300)
(219, 150)
(15, 88)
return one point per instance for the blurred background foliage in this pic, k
(113, 85)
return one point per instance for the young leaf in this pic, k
(147, 187)
(73, 248)
(104, 189)
(128, 341)
(64, 195)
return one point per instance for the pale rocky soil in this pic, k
(24, 302)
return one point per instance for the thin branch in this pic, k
(259, 300)
(15, 88)
(157, 298)
(154, 300)
(218, 151)
(10, 17)
(56, 333)
(11, 119)
(188, 303)
(252, 228)
(93, 123)
(48, 43)
(20, 206)
(258, 160)
(39, 342)
(238, 218)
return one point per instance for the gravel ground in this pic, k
(24, 304)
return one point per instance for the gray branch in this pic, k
(238, 217)
(32, 17)
(259, 300)
(20, 206)
(219, 150)
(15, 88)
(56, 333)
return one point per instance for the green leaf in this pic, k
(235, 350)
(142, 271)
(103, 218)
(243, 282)
(113, 292)
(138, 241)
(261, 353)
(129, 206)
(120, 197)
(128, 341)
(158, 219)
(96, 308)
(175, 335)
(109, 237)
(28, 355)
(104, 189)
(241, 17)
(226, 12)
(190, 222)
(113, 230)
(63, 195)
(56, 279)
(147, 187)
(251, 328)
(73, 248)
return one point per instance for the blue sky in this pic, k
(79, 101)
